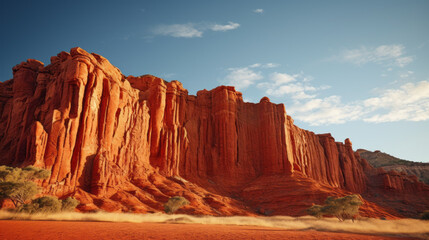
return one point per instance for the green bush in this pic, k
(69, 204)
(46, 204)
(16, 183)
(29, 173)
(49, 204)
(315, 210)
(343, 207)
(175, 203)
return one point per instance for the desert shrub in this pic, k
(315, 210)
(343, 207)
(69, 204)
(49, 204)
(29, 173)
(425, 215)
(175, 203)
(32, 173)
(46, 204)
(16, 183)
(19, 192)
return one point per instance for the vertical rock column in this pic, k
(224, 112)
(174, 139)
(273, 138)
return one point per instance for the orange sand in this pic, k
(62, 230)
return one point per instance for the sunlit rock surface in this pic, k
(129, 143)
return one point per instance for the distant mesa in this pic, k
(124, 143)
(391, 163)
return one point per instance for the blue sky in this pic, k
(356, 69)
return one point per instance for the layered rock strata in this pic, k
(128, 143)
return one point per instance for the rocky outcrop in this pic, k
(390, 163)
(128, 143)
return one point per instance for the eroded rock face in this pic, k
(388, 163)
(128, 143)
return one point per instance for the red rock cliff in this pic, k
(128, 143)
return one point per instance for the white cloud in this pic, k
(306, 106)
(255, 65)
(178, 30)
(271, 65)
(384, 54)
(191, 30)
(245, 99)
(295, 86)
(408, 103)
(226, 27)
(296, 91)
(242, 78)
(403, 61)
(283, 78)
(266, 65)
(259, 10)
(323, 111)
(406, 74)
(388, 51)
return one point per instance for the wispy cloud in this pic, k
(410, 102)
(403, 61)
(226, 27)
(406, 75)
(266, 65)
(259, 10)
(283, 78)
(295, 86)
(407, 102)
(271, 65)
(187, 30)
(385, 54)
(306, 106)
(324, 111)
(241, 78)
(191, 30)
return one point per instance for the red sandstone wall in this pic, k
(102, 132)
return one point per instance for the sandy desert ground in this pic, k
(162, 226)
(63, 230)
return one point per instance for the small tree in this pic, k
(21, 192)
(175, 203)
(343, 207)
(16, 183)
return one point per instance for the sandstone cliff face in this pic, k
(420, 171)
(128, 143)
(389, 163)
